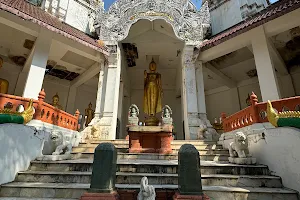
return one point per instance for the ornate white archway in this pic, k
(189, 24)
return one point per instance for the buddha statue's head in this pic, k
(55, 99)
(1, 62)
(90, 105)
(152, 66)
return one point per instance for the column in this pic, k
(189, 93)
(36, 73)
(71, 100)
(100, 93)
(266, 74)
(200, 90)
(120, 109)
(107, 124)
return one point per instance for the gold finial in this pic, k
(272, 115)
(28, 113)
(152, 66)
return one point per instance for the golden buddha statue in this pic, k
(55, 102)
(3, 83)
(89, 113)
(152, 94)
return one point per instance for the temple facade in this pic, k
(213, 77)
(194, 75)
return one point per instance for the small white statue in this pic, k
(147, 192)
(239, 148)
(61, 145)
(166, 115)
(133, 115)
(239, 151)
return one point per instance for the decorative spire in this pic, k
(253, 98)
(42, 95)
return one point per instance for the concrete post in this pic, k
(189, 94)
(266, 73)
(189, 174)
(37, 69)
(104, 174)
(71, 99)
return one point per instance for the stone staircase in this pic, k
(221, 180)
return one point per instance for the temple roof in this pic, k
(27, 11)
(272, 12)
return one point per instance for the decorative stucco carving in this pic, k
(188, 23)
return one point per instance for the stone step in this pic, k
(174, 142)
(150, 166)
(27, 198)
(174, 146)
(151, 156)
(154, 179)
(122, 155)
(59, 190)
(201, 151)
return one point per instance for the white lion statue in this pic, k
(61, 145)
(239, 148)
(147, 192)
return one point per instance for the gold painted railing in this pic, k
(257, 112)
(43, 111)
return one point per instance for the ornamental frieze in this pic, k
(189, 24)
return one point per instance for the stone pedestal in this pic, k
(150, 139)
(178, 196)
(103, 178)
(100, 196)
(242, 161)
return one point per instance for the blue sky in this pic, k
(107, 3)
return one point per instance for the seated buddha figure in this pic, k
(55, 102)
(3, 82)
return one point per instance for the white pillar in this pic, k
(266, 74)
(108, 121)
(37, 69)
(71, 100)
(100, 92)
(189, 94)
(200, 89)
(120, 108)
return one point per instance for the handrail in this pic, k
(43, 111)
(257, 112)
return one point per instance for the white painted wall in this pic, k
(84, 96)
(77, 15)
(53, 85)
(19, 145)
(232, 103)
(278, 148)
(225, 16)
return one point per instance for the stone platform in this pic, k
(150, 139)
(69, 179)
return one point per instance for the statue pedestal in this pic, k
(150, 139)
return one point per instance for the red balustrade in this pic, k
(43, 111)
(257, 112)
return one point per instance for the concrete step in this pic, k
(122, 155)
(150, 166)
(154, 179)
(30, 198)
(151, 156)
(174, 146)
(58, 190)
(201, 151)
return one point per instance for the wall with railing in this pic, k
(257, 112)
(43, 111)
